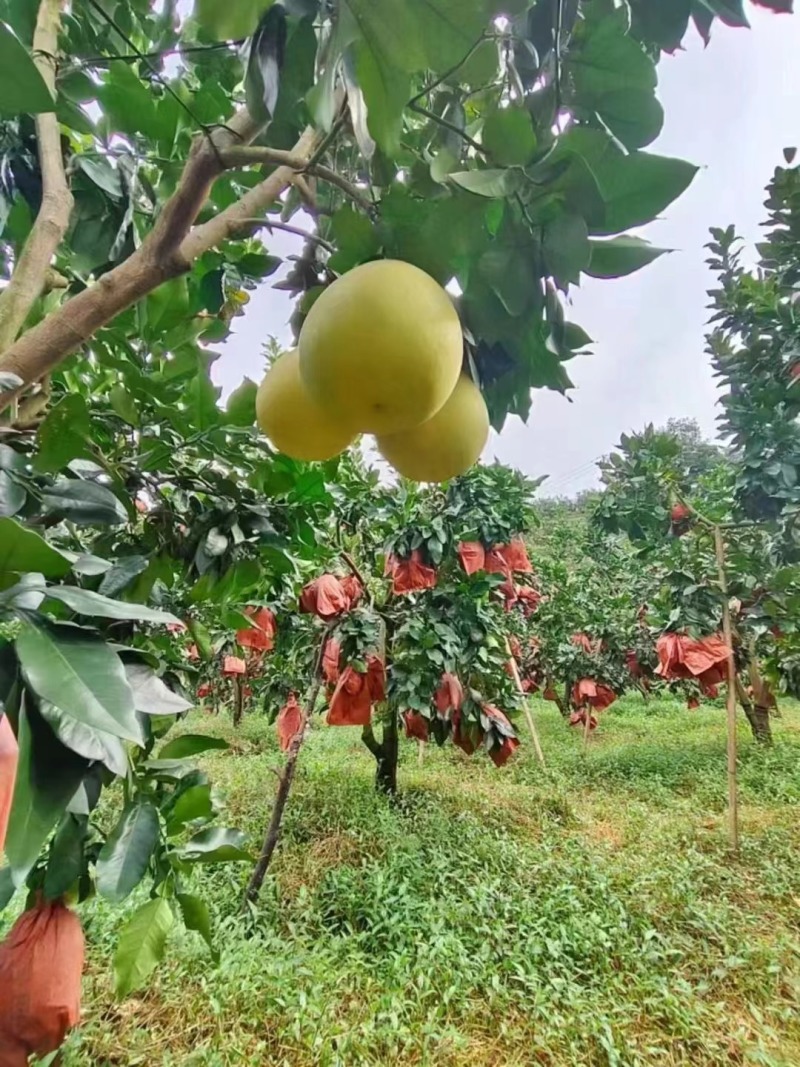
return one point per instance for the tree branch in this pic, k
(247, 155)
(32, 272)
(169, 251)
(286, 227)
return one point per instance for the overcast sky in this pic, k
(731, 109)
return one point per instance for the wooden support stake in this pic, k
(525, 707)
(727, 630)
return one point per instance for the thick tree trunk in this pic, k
(758, 717)
(386, 755)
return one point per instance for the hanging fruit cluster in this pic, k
(380, 352)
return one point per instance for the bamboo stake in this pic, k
(727, 630)
(525, 707)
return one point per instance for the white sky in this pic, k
(731, 109)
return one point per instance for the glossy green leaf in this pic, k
(190, 804)
(24, 551)
(125, 857)
(142, 944)
(12, 494)
(637, 187)
(22, 88)
(509, 137)
(621, 256)
(196, 916)
(86, 602)
(124, 405)
(65, 862)
(63, 434)
(84, 503)
(216, 845)
(85, 740)
(489, 182)
(122, 574)
(565, 248)
(190, 745)
(81, 675)
(48, 775)
(150, 695)
(241, 405)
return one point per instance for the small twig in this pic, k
(448, 73)
(247, 155)
(351, 563)
(134, 57)
(270, 224)
(447, 125)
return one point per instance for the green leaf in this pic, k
(190, 804)
(241, 406)
(196, 916)
(63, 434)
(202, 638)
(509, 137)
(150, 695)
(85, 602)
(65, 862)
(23, 90)
(493, 183)
(24, 551)
(386, 90)
(621, 256)
(84, 503)
(355, 238)
(634, 116)
(124, 858)
(86, 564)
(124, 405)
(142, 944)
(122, 574)
(565, 248)
(48, 775)
(216, 845)
(81, 675)
(637, 187)
(229, 21)
(86, 741)
(264, 61)
(12, 495)
(190, 745)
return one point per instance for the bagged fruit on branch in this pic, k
(578, 718)
(633, 664)
(410, 575)
(330, 661)
(325, 597)
(353, 588)
(504, 741)
(472, 555)
(416, 725)
(41, 963)
(203, 690)
(261, 635)
(550, 694)
(595, 694)
(9, 757)
(529, 599)
(192, 653)
(692, 703)
(508, 591)
(356, 692)
(681, 656)
(289, 722)
(515, 555)
(496, 563)
(176, 627)
(466, 736)
(584, 643)
(449, 696)
(514, 647)
(233, 666)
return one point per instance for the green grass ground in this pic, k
(588, 915)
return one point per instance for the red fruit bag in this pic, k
(289, 722)
(416, 725)
(516, 556)
(410, 575)
(330, 661)
(353, 588)
(496, 562)
(449, 696)
(9, 756)
(232, 665)
(472, 555)
(41, 962)
(325, 597)
(261, 635)
(355, 693)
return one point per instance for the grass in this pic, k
(588, 915)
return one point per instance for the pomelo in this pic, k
(382, 347)
(446, 445)
(294, 423)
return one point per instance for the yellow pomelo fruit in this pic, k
(295, 423)
(446, 445)
(382, 347)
